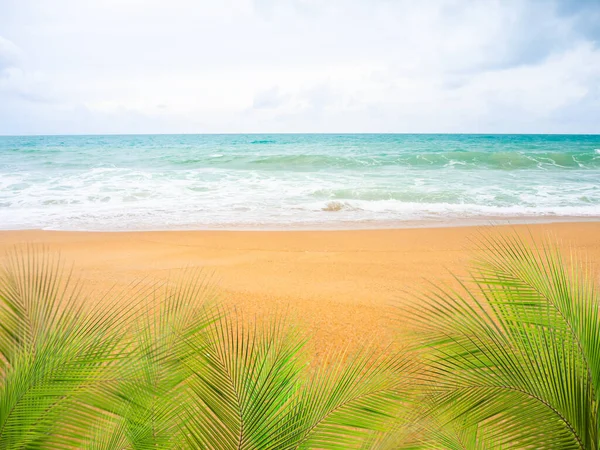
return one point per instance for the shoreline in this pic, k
(343, 287)
(484, 221)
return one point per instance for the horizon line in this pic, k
(297, 133)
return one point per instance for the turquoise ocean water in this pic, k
(302, 181)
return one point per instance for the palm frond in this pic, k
(148, 399)
(254, 389)
(54, 348)
(515, 355)
(245, 379)
(347, 401)
(157, 368)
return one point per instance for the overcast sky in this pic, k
(210, 66)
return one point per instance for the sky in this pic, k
(276, 66)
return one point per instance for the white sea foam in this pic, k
(121, 199)
(220, 185)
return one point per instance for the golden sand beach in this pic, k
(343, 287)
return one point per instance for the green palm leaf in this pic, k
(149, 398)
(244, 381)
(516, 355)
(157, 369)
(54, 349)
(254, 389)
(345, 402)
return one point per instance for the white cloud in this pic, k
(269, 99)
(92, 66)
(9, 54)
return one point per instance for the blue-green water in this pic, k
(268, 181)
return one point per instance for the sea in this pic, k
(295, 181)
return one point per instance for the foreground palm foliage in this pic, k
(514, 360)
(510, 361)
(168, 371)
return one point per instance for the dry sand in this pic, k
(343, 286)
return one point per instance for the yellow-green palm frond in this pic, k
(255, 389)
(55, 349)
(516, 353)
